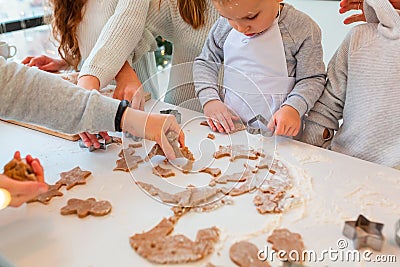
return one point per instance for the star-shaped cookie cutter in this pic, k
(397, 233)
(103, 144)
(174, 112)
(256, 129)
(364, 233)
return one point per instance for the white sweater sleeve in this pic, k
(119, 37)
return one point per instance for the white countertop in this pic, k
(335, 188)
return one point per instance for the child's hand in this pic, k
(286, 121)
(219, 117)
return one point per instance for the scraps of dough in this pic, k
(214, 172)
(159, 246)
(237, 152)
(190, 197)
(163, 172)
(85, 207)
(19, 170)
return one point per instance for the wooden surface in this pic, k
(70, 137)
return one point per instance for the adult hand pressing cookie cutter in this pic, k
(174, 112)
(256, 129)
(397, 233)
(103, 145)
(364, 233)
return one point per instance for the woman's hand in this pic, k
(45, 63)
(153, 127)
(129, 87)
(347, 5)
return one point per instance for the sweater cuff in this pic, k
(106, 109)
(313, 134)
(206, 95)
(297, 103)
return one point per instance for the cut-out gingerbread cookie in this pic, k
(128, 163)
(19, 170)
(73, 177)
(283, 239)
(159, 246)
(163, 172)
(48, 195)
(245, 254)
(85, 207)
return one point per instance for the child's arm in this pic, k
(309, 74)
(206, 75)
(324, 117)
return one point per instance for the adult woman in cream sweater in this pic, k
(77, 25)
(185, 23)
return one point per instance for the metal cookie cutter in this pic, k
(174, 112)
(397, 233)
(256, 129)
(364, 233)
(134, 138)
(103, 145)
